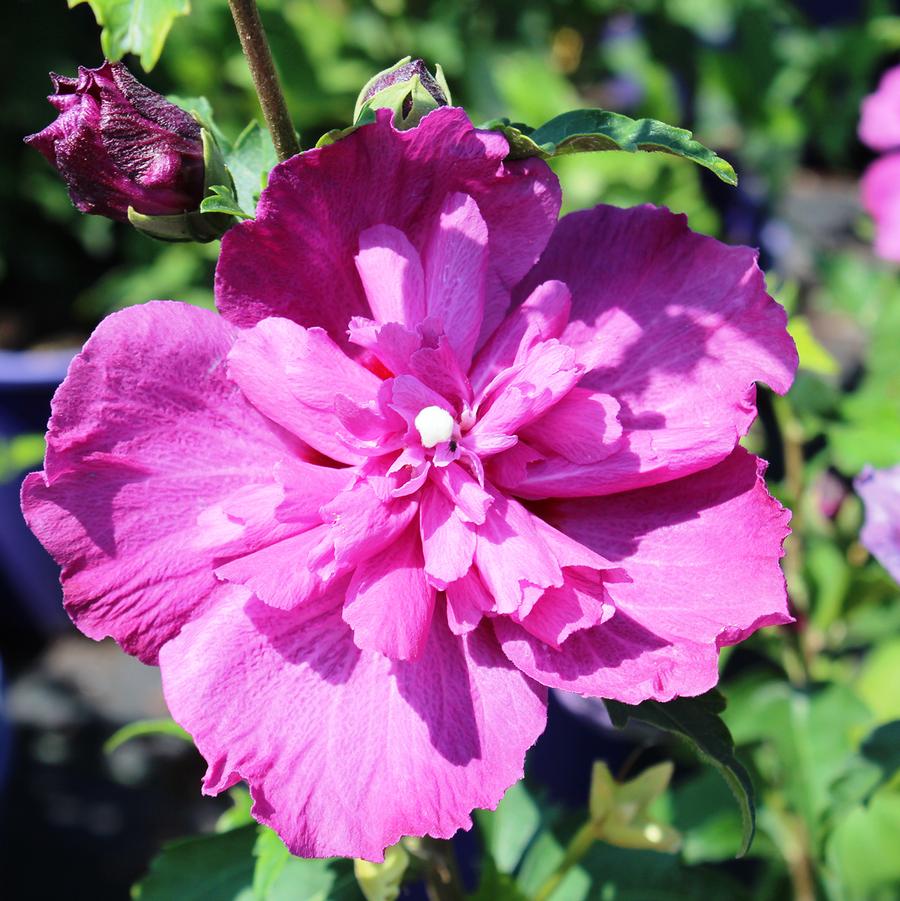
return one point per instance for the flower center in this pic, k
(434, 425)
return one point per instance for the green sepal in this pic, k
(591, 130)
(196, 225)
(395, 96)
(367, 117)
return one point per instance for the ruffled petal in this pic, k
(455, 274)
(678, 327)
(392, 276)
(296, 259)
(376, 749)
(293, 375)
(583, 427)
(513, 559)
(147, 440)
(619, 659)
(448, 542)
(702, 552)
(541, 316)
(389, 602)
(467, 603)
(278, 574)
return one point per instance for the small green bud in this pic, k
(407, 88)
(382, 881)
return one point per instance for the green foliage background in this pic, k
(813, 708)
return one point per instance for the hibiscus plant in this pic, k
(438, 453)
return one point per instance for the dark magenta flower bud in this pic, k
(408, 88)
(127, 153)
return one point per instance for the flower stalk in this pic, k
(265, 79)
(578, 847)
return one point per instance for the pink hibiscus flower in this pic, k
(440, 452)
(879, 127)
(880, 491)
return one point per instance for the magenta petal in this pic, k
(546, 375)
(448, 542)
(579, 603)
(685, 328)
(879, 126)
(362, 523)
(702, 552)
(389, 603)
(146, 420)
(296, 258)
(467, 603)
(469, 498)
(392, 276)
(278, 574)
(293, 375)
(512, 557)
(583, 427)
(375, 750)
(455, 272)
(880, 187)
(393, 344)
(542, 315)
(619, 659)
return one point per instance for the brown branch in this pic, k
(262, 69)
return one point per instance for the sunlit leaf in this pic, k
(698, 720)
(589, 130)
(209, 868)
(135, 26)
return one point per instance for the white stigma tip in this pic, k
(434, 425)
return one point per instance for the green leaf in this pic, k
(279, 876)
(880, 669)
(876, 763)
(862, 851)
(135, 26)
(20, 453)
(809, 736)
(589, 130)
(703, 811)
(496, 886)
(144, 727)
(222, 200)
(813, 355)
(698, 721)
(239, 813)
(507, 830)
(620, 874)
(250, 161)
(209, 868)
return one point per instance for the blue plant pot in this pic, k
(27, 382)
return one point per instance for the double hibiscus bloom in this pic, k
(440, 452)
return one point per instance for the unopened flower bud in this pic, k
(408, 88)
(127, 153)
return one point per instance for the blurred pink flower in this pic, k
(879, 127)
(880, 491)
(441, 452)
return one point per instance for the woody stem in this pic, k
(262, 69)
